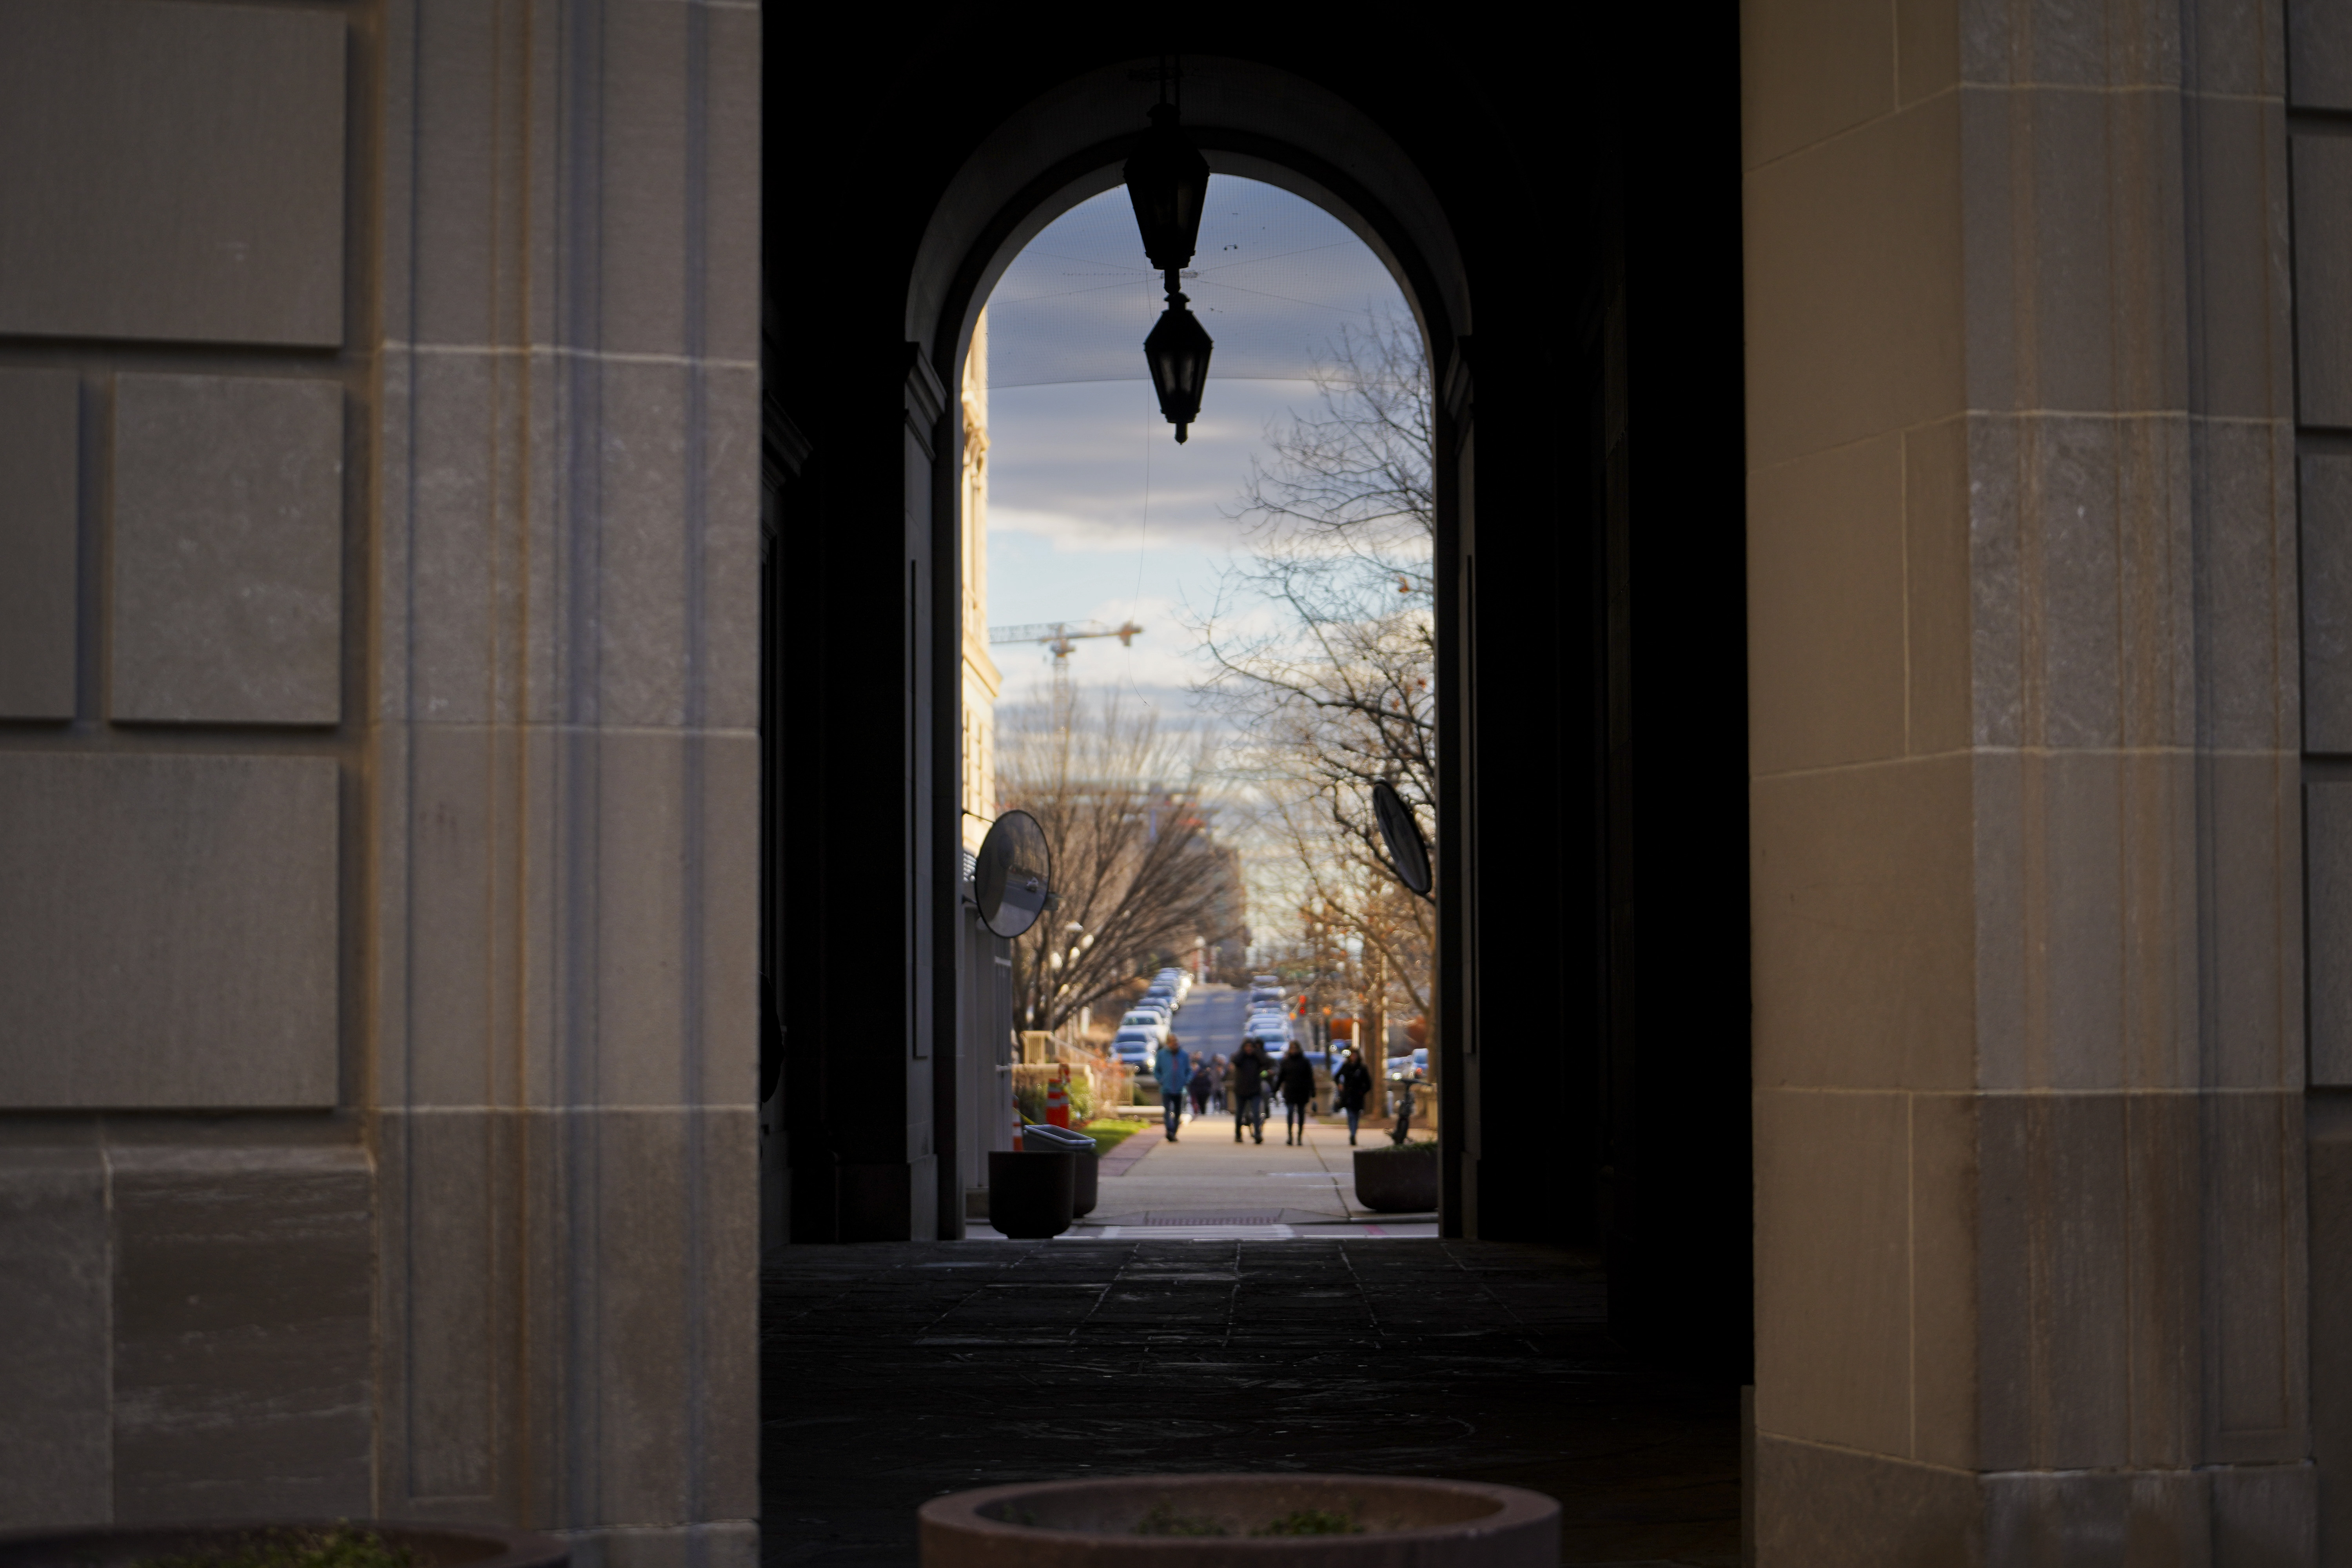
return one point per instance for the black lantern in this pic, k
(1178, 353)
(1168, 181)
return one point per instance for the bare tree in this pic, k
(1136, 868)
(1324, 636)
(1337, 881)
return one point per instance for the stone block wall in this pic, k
(377, 781)
(2031, 1225)
(187, 1201)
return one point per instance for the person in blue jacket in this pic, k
(1173, 1066)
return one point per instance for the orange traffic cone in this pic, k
(1058, 1103)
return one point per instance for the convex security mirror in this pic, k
(1013, 882)
(1408, 851)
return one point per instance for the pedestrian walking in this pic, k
(1251, 1072)
(1354, 1085)
(1172, 1064)
(1295, 1078)
(1199, 1086)
(1221, 1074)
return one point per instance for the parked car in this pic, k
(1131, 1046)
(1414, 1065)
(1147, 1019)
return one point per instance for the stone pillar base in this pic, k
(1818, 1506)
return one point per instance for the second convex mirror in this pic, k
(1013, 882)
(1408, 851)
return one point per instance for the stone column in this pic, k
(2028, 1057)
(563, 702)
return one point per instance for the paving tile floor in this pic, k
(891, 1374)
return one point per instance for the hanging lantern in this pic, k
(1168, 181)
(1178, 353)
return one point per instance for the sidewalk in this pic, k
(1204, 1186)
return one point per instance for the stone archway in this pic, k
(1250, 121)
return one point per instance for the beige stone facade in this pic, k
(2026, 717)
(982, 680)
(378, 535)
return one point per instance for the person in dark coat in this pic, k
(1295, 1078)
(1171, 1064)
(1200, 1085)
(1250, 1071)
(1353, 1083)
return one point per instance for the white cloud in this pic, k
(1274, 278)
(1095, 467)
(1094, 512)
(1063, 530)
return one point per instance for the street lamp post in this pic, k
(1058, 961)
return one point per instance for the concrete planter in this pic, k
(1397, 1181)
(1094, 1524)
(1031, 1195)
(434, 1545)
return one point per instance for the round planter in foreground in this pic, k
(430, 1545)
(1195, 1521)
(1397, 1181)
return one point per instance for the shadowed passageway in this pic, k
(895, 1372)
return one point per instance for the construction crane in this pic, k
(1062, 636)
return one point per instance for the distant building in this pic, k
(1228, 955)
(981, 679)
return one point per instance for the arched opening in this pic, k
(1051, 153)
(1572, 1118)
(1592, 705)
(1268, 583)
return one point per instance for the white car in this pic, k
(1147, 1020)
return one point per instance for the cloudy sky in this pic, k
(1094, 512)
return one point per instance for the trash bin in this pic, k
(1078, 1144)
(1031, 1195)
